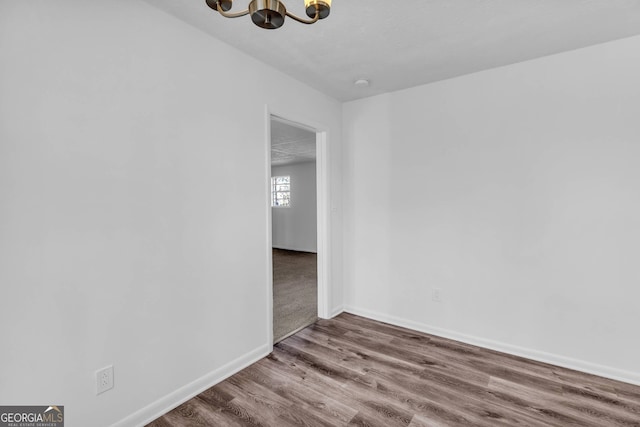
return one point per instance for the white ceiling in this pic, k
(405, 43)
(291, 144)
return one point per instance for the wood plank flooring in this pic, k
(351, 371)
(295, 291)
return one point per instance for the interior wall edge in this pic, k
(539, 356)
(174, 399)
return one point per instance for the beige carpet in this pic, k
(295, 291)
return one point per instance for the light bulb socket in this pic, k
(268, 14)
(225, 5)
(323, 8)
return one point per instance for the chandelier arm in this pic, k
(304, 21)
(232, 15)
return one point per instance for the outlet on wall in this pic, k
(104, 379)
(435, 294)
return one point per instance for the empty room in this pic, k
(467, 171)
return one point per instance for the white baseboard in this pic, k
(336, 311)
(540, 356)
(178, 397)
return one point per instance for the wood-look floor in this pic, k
(351, 371)
(295, 291)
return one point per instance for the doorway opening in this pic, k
(296, 242)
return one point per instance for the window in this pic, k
(280, 191)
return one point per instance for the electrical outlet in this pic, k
(104, 379)
(435, 294)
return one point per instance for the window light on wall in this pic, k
(280, 191)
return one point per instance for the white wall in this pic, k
(517, 192)
(295, 227)
(130, 181)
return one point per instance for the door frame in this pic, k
(323, 211)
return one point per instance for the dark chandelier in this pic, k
(270, 14)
